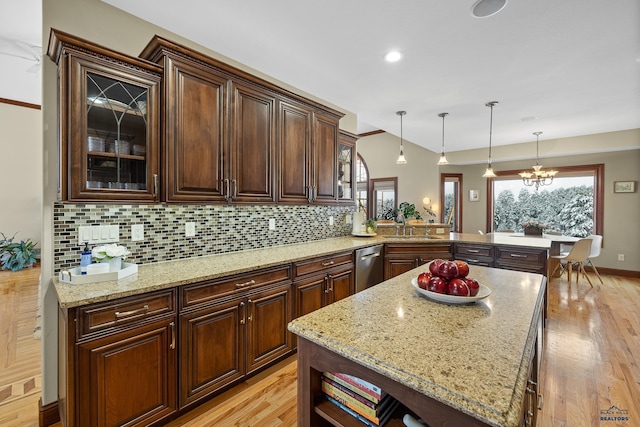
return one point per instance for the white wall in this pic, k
(418, 179)
(21, 189)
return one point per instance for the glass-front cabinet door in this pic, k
(109, 117)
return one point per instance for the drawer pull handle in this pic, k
(518, 256)
(473, 260)
(327, 264)
(473, 251)
(530, 390)
(242, 285)
(173, 335)
(373, 255)
(120, 315)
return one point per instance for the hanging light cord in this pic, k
(443, 116)
(490, 104)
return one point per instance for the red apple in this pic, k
(437, 284)
(463, 268)
(448, 270)
(423, 279)
(435, 264)
(458, 287)
(473, 285)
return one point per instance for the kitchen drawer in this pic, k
(511, 254)
(204, 292)
(114, 315)
(315, 265)
(475, 260)
(428, 251)
(462, 249)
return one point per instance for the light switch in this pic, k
(95, 233)
(104, 233)
(114, 233)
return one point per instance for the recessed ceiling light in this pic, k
(393, 56)
(486, 8)
(529, 119)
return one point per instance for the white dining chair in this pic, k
(578, 254)
(596, 245)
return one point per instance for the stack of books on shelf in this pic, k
(359, 398)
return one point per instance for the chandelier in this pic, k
(538, 177)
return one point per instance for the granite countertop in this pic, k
(474, 358)
(163, 275)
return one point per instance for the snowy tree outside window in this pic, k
(565, 206)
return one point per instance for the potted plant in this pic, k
(371, 226)
(533, 228)
(16, 256)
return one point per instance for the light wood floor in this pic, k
(590, 363)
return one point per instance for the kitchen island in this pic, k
(448, 364)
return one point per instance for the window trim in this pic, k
(598, 192)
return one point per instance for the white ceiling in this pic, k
(573, 64)
(20, 29)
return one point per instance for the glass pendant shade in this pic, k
(443, 159)
(489, 173)
(401, 159)
(538, 177)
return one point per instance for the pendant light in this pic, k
(538, 177)
(443, 159)
(489, 173)
(401, 160)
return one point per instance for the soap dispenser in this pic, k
(85, 258)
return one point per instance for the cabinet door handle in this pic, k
(121, 314)
(173, 335)
(517, 256)
(315, 192)
(309, 193)
(330, 280)
(242, 285)
(243, 313)
(540, 401)
(250, 310)
(327, 264)
(155, 185)
(235, 188)
(326, 284)
(227, 194)
(473, 251)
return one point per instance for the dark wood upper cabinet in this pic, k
(325, 161)
(194, 143)
(294, 166)
(346, 167)
(109, 123)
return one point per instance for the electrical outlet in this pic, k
(189, 229)
(272, 223)
(620, 257)
(137, 232)
(330, 220)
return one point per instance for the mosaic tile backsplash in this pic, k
(219, 229)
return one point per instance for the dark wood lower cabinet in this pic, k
(230, 338)
(128, 378)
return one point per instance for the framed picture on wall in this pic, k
(624, 187)
(474, 195)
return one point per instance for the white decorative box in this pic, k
(74, 277)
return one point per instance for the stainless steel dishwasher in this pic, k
(369, 267)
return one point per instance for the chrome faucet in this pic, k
(400, 219)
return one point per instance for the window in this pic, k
(451, 201)
(572, 204)
(383, 197)
(362, 185)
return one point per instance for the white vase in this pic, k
(115, 264)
